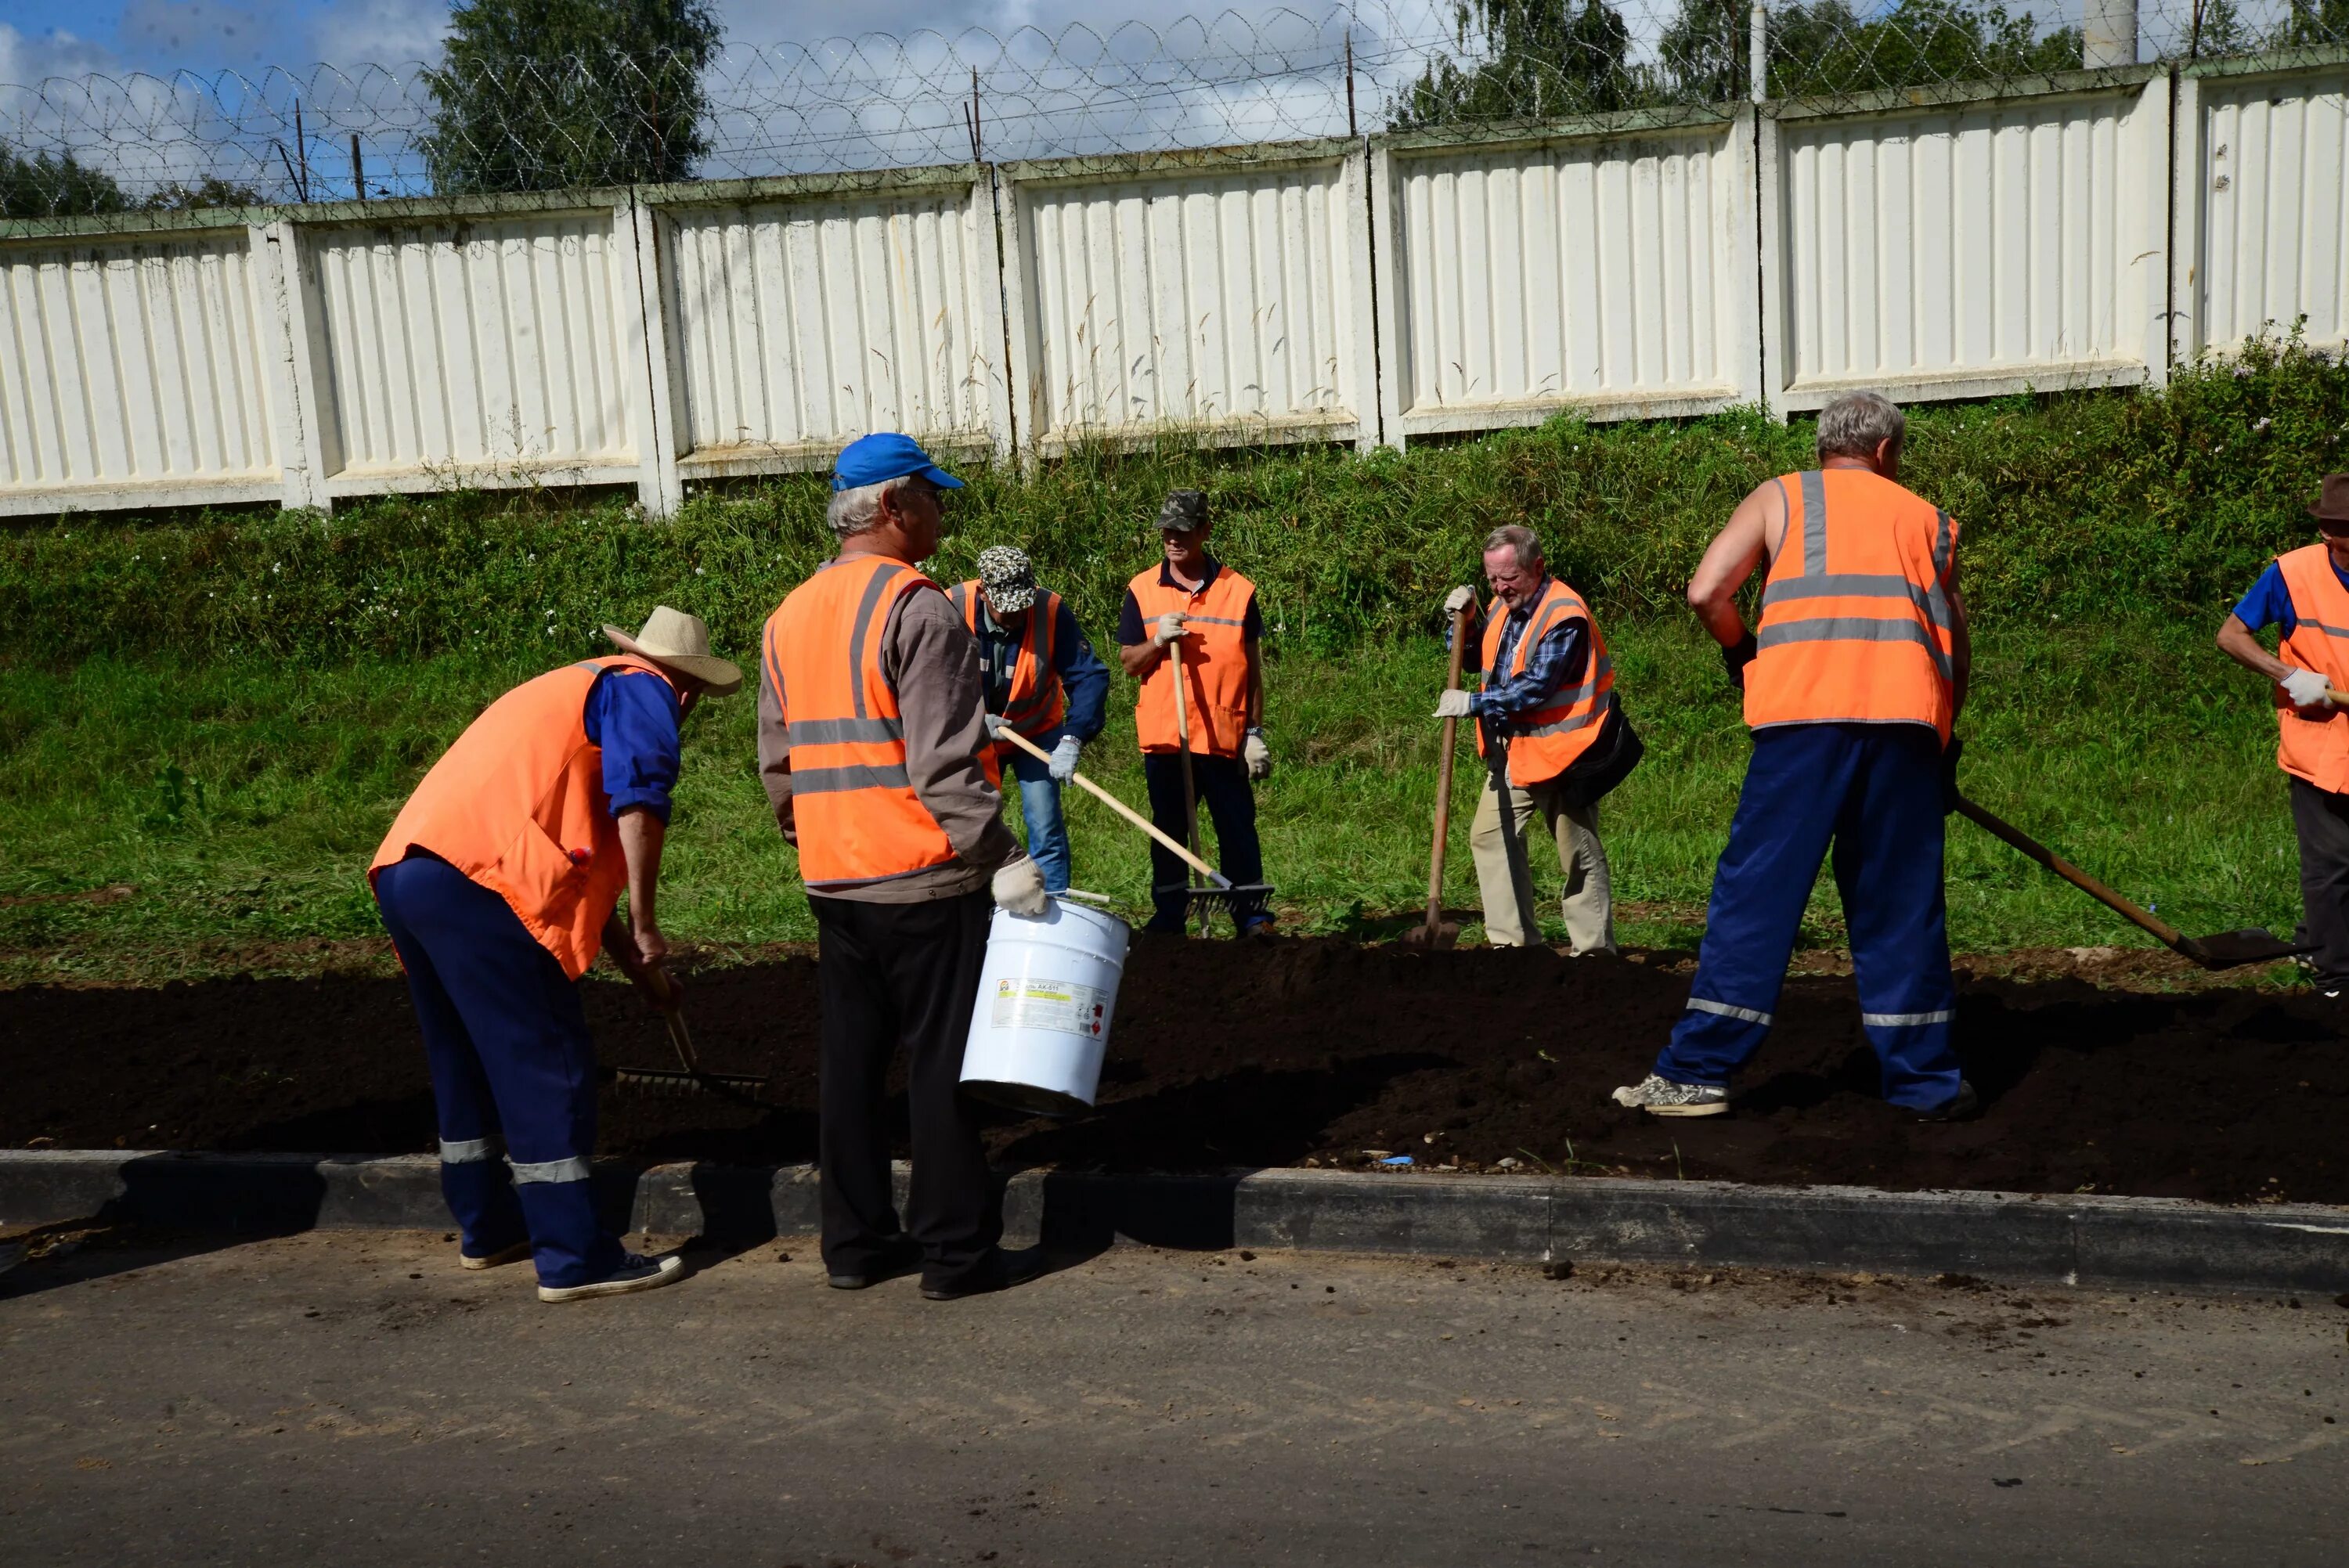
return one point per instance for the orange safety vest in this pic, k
(1215, 659)
(1545, 743)
(1036, 704)
(518, 805)
(2313, 743)
(1856, 624)
(857, 817)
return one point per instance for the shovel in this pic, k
(739, 1088)
(1439, 935)
(1221, 888)
(2224, 950)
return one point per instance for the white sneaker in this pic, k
(512, 1255)
(633, 1274)
(1662, 1096)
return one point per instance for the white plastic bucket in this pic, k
(1045, 1001)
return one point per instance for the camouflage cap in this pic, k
(1185, 510)
(1009, 577)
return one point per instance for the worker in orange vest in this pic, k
(1043, 679)
(2305, 594)
(873, 747)
(1194, 600)
(1852, 681)
(499, 883)
(1546, 704)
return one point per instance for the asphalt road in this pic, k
(352, 1395)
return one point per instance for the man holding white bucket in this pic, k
(873, 745)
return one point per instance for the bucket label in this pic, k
(1032, 1002)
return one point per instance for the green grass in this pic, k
(242, 799)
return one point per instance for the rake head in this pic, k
(1236, 897)
(676, 1083)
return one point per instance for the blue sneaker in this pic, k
(633, 1274)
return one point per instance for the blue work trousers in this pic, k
(1039, 808)
(514, 1070)
(1223, 788)
(1875, 789)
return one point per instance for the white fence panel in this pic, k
(484, 352)
(1971, 248)
(2263, 180)
(133, 374)
(803, 318)
(1608, 271)
(1226, 296)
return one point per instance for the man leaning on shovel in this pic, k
(498, 884)
(2304, 593)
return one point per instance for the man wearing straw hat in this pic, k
(872, 745)
(2304, 593)
(498, 882)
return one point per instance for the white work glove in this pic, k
(1258, 755)
(1169, 628)
(2305, 689)
(1020, 887)
(994, 726)
(1453, 704)
(1063, 764)
(1459, 599)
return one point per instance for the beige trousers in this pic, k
(1505, 873)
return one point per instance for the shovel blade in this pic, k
(1442, 936)
(2227, 949)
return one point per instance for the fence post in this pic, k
(1769, 189)
(2107, 33)
(295, 409)
(652, 413)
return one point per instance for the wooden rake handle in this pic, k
(1443, 776)
(1120, 807)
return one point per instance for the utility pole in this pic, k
(2107, 34)
(358, 168)
(1353, 132)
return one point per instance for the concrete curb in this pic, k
(2072, 1240)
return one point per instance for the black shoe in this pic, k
(899, 1259)
(1001, 1270)
(1963, 1106)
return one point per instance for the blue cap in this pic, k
(871, 459)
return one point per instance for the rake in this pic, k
(692, 1078)
(1221, 891)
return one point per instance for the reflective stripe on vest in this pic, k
(1214, 658)
(1035, 705)
(1545, 742)
(1855, 623)
(518, 805)
(852, 805)
(2313, 744)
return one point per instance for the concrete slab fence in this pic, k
(2092, 230)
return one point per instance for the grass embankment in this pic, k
(222, 713)
(241, 801)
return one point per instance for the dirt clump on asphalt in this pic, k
(1302, 1052)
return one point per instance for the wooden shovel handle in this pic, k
(1118, 806)
(1444, 775)
(2167, 935)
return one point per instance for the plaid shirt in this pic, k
(1557, 662)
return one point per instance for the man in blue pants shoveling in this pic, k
(1852, 683)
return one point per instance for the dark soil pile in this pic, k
(1230, 1055)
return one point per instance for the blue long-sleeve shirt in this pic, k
(1084, 679)
(2269, 603)
(633, 716)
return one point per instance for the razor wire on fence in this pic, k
(611, 115)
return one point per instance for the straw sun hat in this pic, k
(680, 642)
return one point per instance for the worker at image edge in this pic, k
(1549, 696)
(1192, 599)
(499, 883)
(1043, 679)
(2304, 593)
(1853, 681)
(874, 749)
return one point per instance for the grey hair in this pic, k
(1856, 423)
(1518, 538)
(854, 511)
